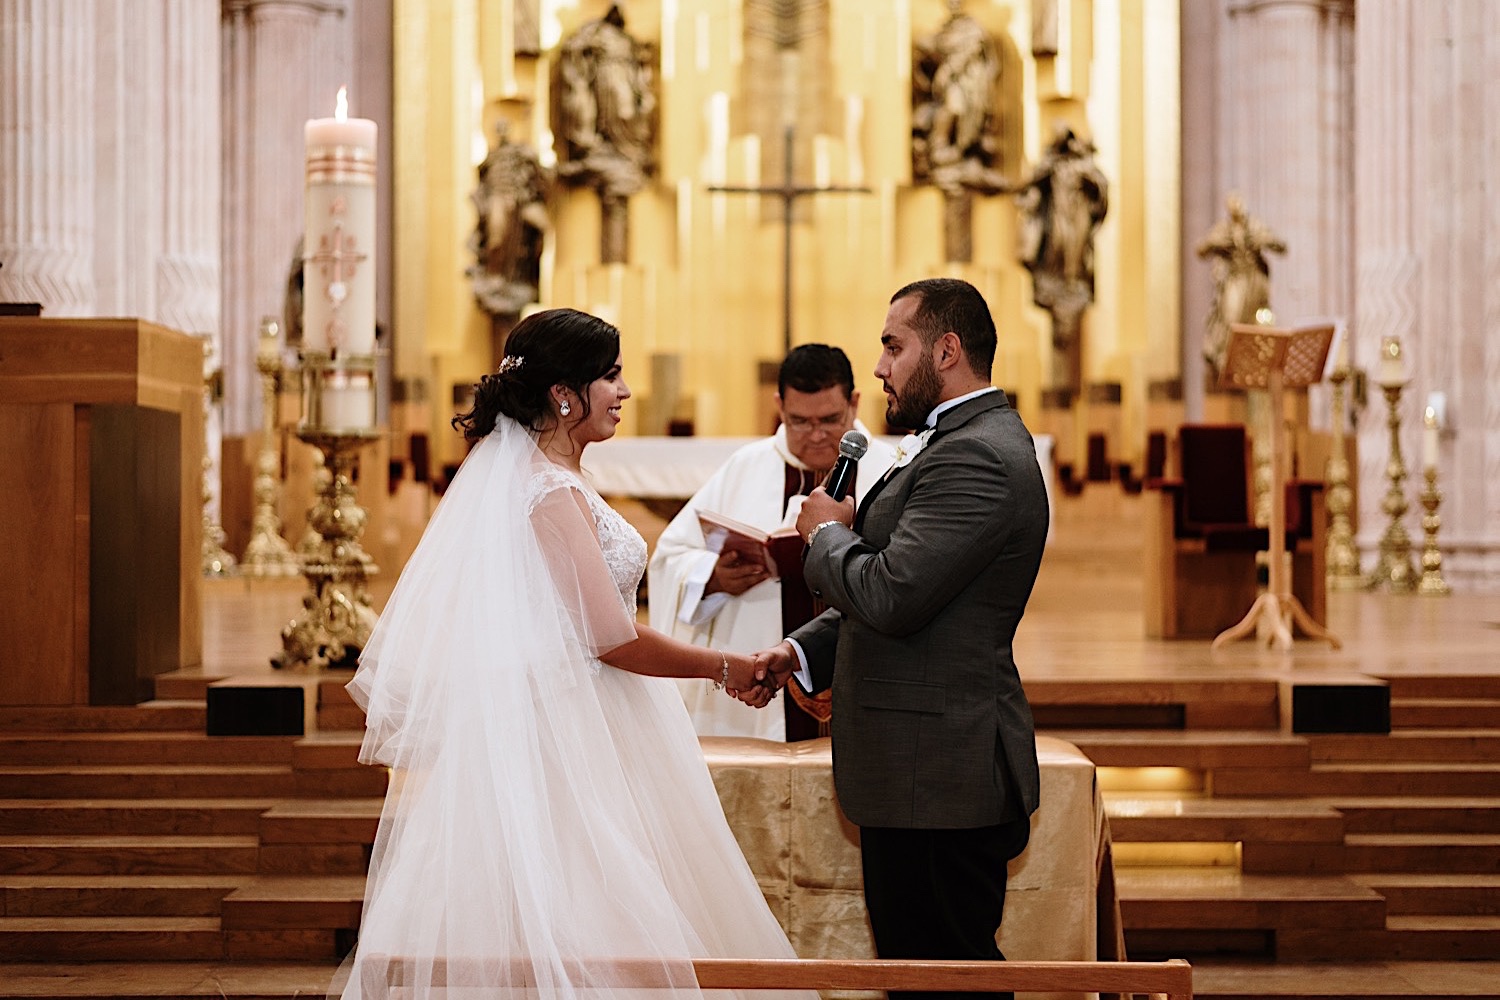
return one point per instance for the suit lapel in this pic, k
(949, 421)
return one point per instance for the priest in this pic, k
(727, 602)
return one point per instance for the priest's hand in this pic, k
(734, 574)
(820, 508)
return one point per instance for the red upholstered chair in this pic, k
(1202, 540)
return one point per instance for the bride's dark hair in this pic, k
(547, 348)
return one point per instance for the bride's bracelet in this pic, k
(723, 681)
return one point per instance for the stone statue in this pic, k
(511, 201)
(1237, 247)
(604, 111)
(1062, 206)
(955, 121)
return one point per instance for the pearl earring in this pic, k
(565, 409)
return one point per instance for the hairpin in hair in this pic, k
(510, 363)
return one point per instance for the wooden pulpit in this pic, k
(101, 524)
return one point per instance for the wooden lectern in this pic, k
(101, 429)
(1273, 359)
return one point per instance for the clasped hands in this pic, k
(755, 679)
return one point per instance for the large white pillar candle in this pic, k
(338, 295)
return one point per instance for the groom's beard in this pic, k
(909, 407)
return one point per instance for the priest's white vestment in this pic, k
(749, 487)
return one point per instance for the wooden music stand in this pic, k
(1274, 359)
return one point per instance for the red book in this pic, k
(779, 551)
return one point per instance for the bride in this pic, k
(551, 827)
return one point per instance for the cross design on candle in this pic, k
(338, 258)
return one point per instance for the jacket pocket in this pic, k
(902, 696)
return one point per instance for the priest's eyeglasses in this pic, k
(804, 424)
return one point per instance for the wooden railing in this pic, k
(1171, 980)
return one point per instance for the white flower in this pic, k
(907, 447)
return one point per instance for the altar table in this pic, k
(780, 802)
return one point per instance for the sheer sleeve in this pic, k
(585, 587)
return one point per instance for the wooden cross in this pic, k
(788, 191)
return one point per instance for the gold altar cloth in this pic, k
(780, 802)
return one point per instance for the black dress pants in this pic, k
(938, 893)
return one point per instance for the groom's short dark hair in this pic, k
(950, 304)
(813, 368)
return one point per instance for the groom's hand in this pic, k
(820, 507)
(744, 683)
(775, 666)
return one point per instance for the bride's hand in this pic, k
(741, 682)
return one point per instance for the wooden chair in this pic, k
(1201, 540)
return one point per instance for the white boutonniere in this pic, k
(907, 447)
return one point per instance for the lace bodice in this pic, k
(624, 548)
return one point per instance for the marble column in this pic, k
(187, 267)
(47, 90)
(1388, 262)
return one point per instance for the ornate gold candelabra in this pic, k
(216, 559)
(1394, 569)
(1432, 583)
(1342, 557)
(338, 398)
(268, 553)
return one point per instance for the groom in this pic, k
(934, 757)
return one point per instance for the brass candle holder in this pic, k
(215, 559)
(1394, 570)
(1341, 555)
(268, 553)
(338, 418)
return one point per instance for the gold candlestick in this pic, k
(268, 553)
(1342, 557)
(338, 419)
(1432, 583)
(1394, 569)
(216, 560)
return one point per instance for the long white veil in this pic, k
(514, 852)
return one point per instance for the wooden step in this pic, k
(140, 817)
(1476, 685)
(158, 782)
(1405, 938)
(58, 749)
(1324, 780)
(1445, 713)
(1415, 852)
(90, 939)
(1202, 899)
(269, 903)
(186, 685)
(327, 751)
(122, 855)
(1408, 745)
(1152, 703)
(156, 716)
(1408, 894)
(139, 980)
(115, 895)
(1201, 750)
(1219, 979)
(1219, 820)
(321, 821)
(1455, 814)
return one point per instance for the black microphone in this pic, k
(852, 448)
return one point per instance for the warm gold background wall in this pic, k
(704, 278)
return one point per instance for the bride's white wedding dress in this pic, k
(548, 814)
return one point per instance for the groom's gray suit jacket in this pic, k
(931, 728)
